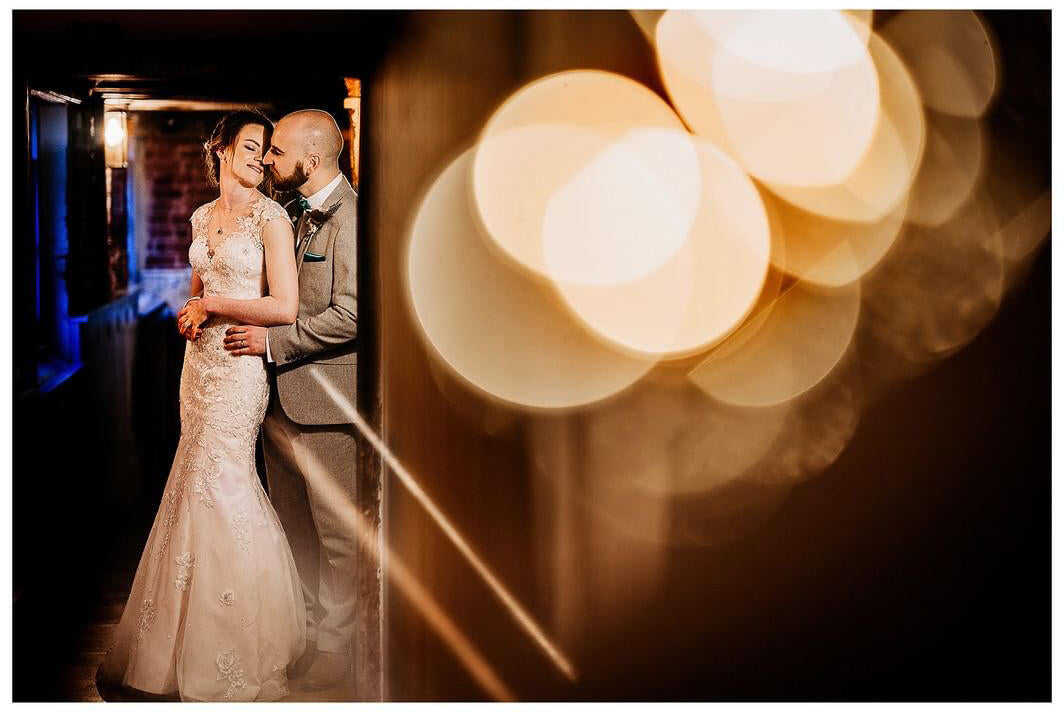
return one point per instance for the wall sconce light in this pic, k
(115, 139)
(353, 105)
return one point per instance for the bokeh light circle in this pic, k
(503, 333)
(951, 55)
(829, 252)
(590, 171)
(793, 96)
(950, 170)
(884, 175)
(804, 337)
(705, 290)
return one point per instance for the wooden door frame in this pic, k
(369, 646)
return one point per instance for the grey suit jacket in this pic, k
(319, 349)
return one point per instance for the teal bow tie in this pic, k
(304, 204)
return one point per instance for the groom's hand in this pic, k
(246, 341)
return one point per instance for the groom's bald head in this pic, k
(316, 131)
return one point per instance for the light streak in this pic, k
(408, 584)
(524, 620)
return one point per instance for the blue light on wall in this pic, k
(34, 154)
(131, 214)
(57, 335)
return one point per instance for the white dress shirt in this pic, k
(315, 200)
(318, 198)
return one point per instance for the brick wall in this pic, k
(169, 183)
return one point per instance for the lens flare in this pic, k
(488, 416)
(940, 286)
(586, 177)
(517, 611)
(647, 21)
(799, 42)
(793, 96)
(817, 428)
(672, 438)
(951, 167)
(951, 55)
(614, 220)
(406, 583)
(502, 332)
(624, 512)
(882, 178)
(705, 290)
(775, 280)
(1026, 230)
(700, 288)
(826, 251)
(805, 335)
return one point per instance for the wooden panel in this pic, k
(368, 647)
(435, 89)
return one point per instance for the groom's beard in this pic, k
(293, 181)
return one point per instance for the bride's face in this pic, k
(244, 159)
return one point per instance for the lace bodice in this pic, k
(237, 269)
(223, 393)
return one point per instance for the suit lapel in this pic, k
(304, 222)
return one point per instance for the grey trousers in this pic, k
(310, 471)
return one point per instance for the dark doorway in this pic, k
(110, 171)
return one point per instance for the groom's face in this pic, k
(284, 161)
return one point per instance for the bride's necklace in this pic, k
(229, 211)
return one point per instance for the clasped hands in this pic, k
(239, 340)
(191, 318)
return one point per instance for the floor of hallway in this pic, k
(63, 618)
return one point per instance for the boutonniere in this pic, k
(317, 217)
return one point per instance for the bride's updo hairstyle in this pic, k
(224, 136)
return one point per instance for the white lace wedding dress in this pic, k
(216, 611)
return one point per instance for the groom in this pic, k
(308, 439)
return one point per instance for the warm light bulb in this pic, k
(113, 134)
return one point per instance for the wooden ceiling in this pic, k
(263, 57)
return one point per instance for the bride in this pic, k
(216, 611)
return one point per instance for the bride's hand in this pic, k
(184, 325)
(192, 318)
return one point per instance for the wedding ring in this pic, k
(243, 344)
